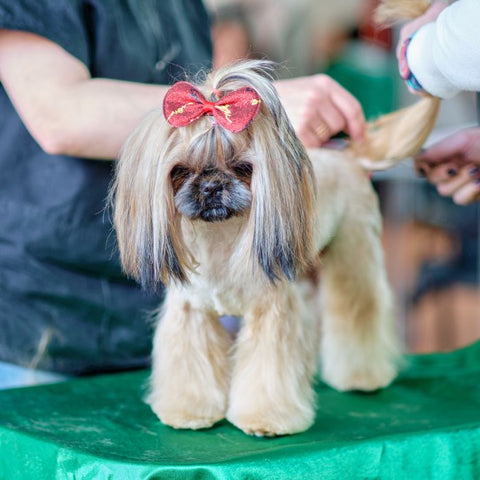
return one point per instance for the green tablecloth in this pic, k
(425, 426)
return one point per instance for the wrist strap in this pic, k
(405, 71)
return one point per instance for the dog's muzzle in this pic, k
(213, 197)
(211, 193)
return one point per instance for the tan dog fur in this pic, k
(319, 208)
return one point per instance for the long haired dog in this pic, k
(229, 211)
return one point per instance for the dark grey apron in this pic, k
(64, 303)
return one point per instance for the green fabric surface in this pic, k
(425, 426)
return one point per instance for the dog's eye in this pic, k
(243, 169)
(179, 174)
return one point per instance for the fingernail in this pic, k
(473, 171)
(451, 172)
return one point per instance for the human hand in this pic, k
(319, 108)
(407, 31)
(453, 166)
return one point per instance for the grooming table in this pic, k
(425, 426)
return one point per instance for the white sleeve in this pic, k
(444, 55)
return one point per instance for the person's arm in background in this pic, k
(69, 112)
(444, 57)
(443, 53)
(319, 108)
(65, 110)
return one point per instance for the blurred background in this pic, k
(431, 244)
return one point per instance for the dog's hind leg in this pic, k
(359, 347)
(190, 371)
(275, 360)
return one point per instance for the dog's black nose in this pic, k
(211, 188)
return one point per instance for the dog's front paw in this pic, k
(365, 376)
(194, 414)
(271, 421)
(181, 406)
(187, 419)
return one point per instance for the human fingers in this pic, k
(406, 32)
(452, 146)
(443, 172)
(350, 109)
(319, 118)
(297, 96)
(328, 120)
(422, 168)
(322, 131)
(468, 193)
(311, 129)
(310, 138)
(447, 188)
(316, 102)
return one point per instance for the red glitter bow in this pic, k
(184, 104)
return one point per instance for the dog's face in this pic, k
(203, 172)
(212, 193)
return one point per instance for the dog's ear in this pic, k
(280, 228)
(283, 196)
(146, 223)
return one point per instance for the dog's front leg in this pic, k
(190, 371)
(271, 392)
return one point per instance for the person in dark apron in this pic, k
(65, 305)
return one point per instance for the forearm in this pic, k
(65, 110)
(96, 117)
(444, 55)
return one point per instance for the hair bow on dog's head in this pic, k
(184, 104)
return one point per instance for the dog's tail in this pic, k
(390, 12)
(398, 135)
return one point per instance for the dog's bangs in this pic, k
(212, 147)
